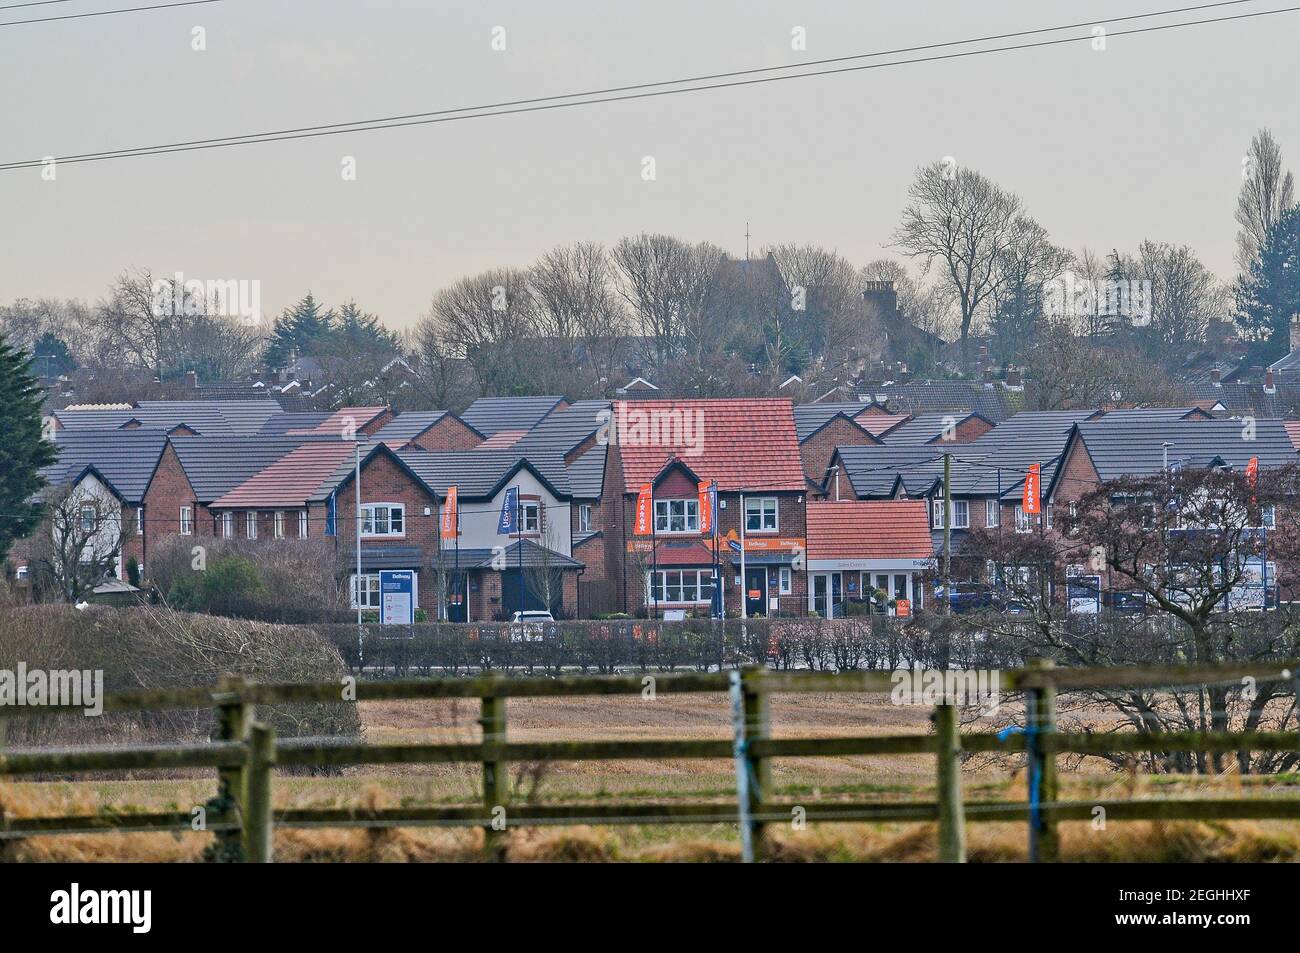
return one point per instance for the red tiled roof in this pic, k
(877, 424)
(501, 440)
(1293, 431)
(877, 529)
(291, 480)
(745, 443)
(336, 422)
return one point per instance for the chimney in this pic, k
(1013, 377)
(1295, 331)
(1269, 388)
(192, 380)
(1215, 374)
(883, 297)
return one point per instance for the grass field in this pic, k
(810, 780)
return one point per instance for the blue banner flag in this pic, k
(509, 521)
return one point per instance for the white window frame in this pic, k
(227, 525)
(992, 512)
(302, 524)
(584, 517)
(685, 510)
(279, 524)
(370, 521)
(186, 521)
(960, 514)
(785, 580)
(762, 507)
(1047, 515)
(1268, 515)
(1024, 522)
(90, 525)
(139, 521)
(371, 580)
(250, 524)
(702, 578)
(530, 516)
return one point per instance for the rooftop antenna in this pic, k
(747, 241)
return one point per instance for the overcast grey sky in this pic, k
(1106, 148)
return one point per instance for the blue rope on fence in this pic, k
(1031, 733)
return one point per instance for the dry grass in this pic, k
(820, 780)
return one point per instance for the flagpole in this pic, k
(519, 520)
(654, 551)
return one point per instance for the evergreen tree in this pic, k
(23, 450)
(303, 329)
(1269, 294)
(357, 331)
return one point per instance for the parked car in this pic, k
(530, 625)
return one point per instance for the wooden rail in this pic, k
(247, 753)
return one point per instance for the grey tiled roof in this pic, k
(587, 473)
(1135, 448)
(924, 428)
(209, 418)
(125, 458)
(1155, 413)
(810, 418)
(280, 424)
(408, 426)
(216, 465)
(992, 399)
(1241, 399)
(480, 473)
(564, 430)
(491, 414)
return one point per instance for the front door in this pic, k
(755, 591)
(457, 602)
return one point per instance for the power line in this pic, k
(36, 3)
(641, 86)
(547, 103)
(96, 13)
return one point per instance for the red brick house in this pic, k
(750, 449)
(859, 548)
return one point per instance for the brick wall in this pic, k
(168, 491)
(817, 450)
(449, 433)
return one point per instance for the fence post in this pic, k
(758, 770)
(952, 818)
(496, 772)
(233, 716)
(257, 794)
(1040, 719)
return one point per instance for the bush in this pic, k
(151, 647)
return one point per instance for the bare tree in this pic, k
(666, 280)
(579, 308)
(80, 542)
(964, 221)
(1267, 190)
(828, 310)
(1025, 265)
(487, 320)
(1072, 372)
(1181, 294)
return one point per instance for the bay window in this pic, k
(694, 586)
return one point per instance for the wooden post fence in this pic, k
(496, 772)
(952, 819)
(233, 718)
(257, 794)
(759, 768)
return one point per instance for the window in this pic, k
(992, 513)
(383, 519)
(250, 524)
(279, 524)
(1022, 520)
(139, 521)
(88, 520)
(227, 525)
(680, 586)
(369, 590)
(187, 521)
(786, 585)
(584, 518)
(302, 524)
(760, 514)
(677, 516)
(960, 514)
(530, 516)
(1047, 515)
(1268, 516)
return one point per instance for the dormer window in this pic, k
(677, 516)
